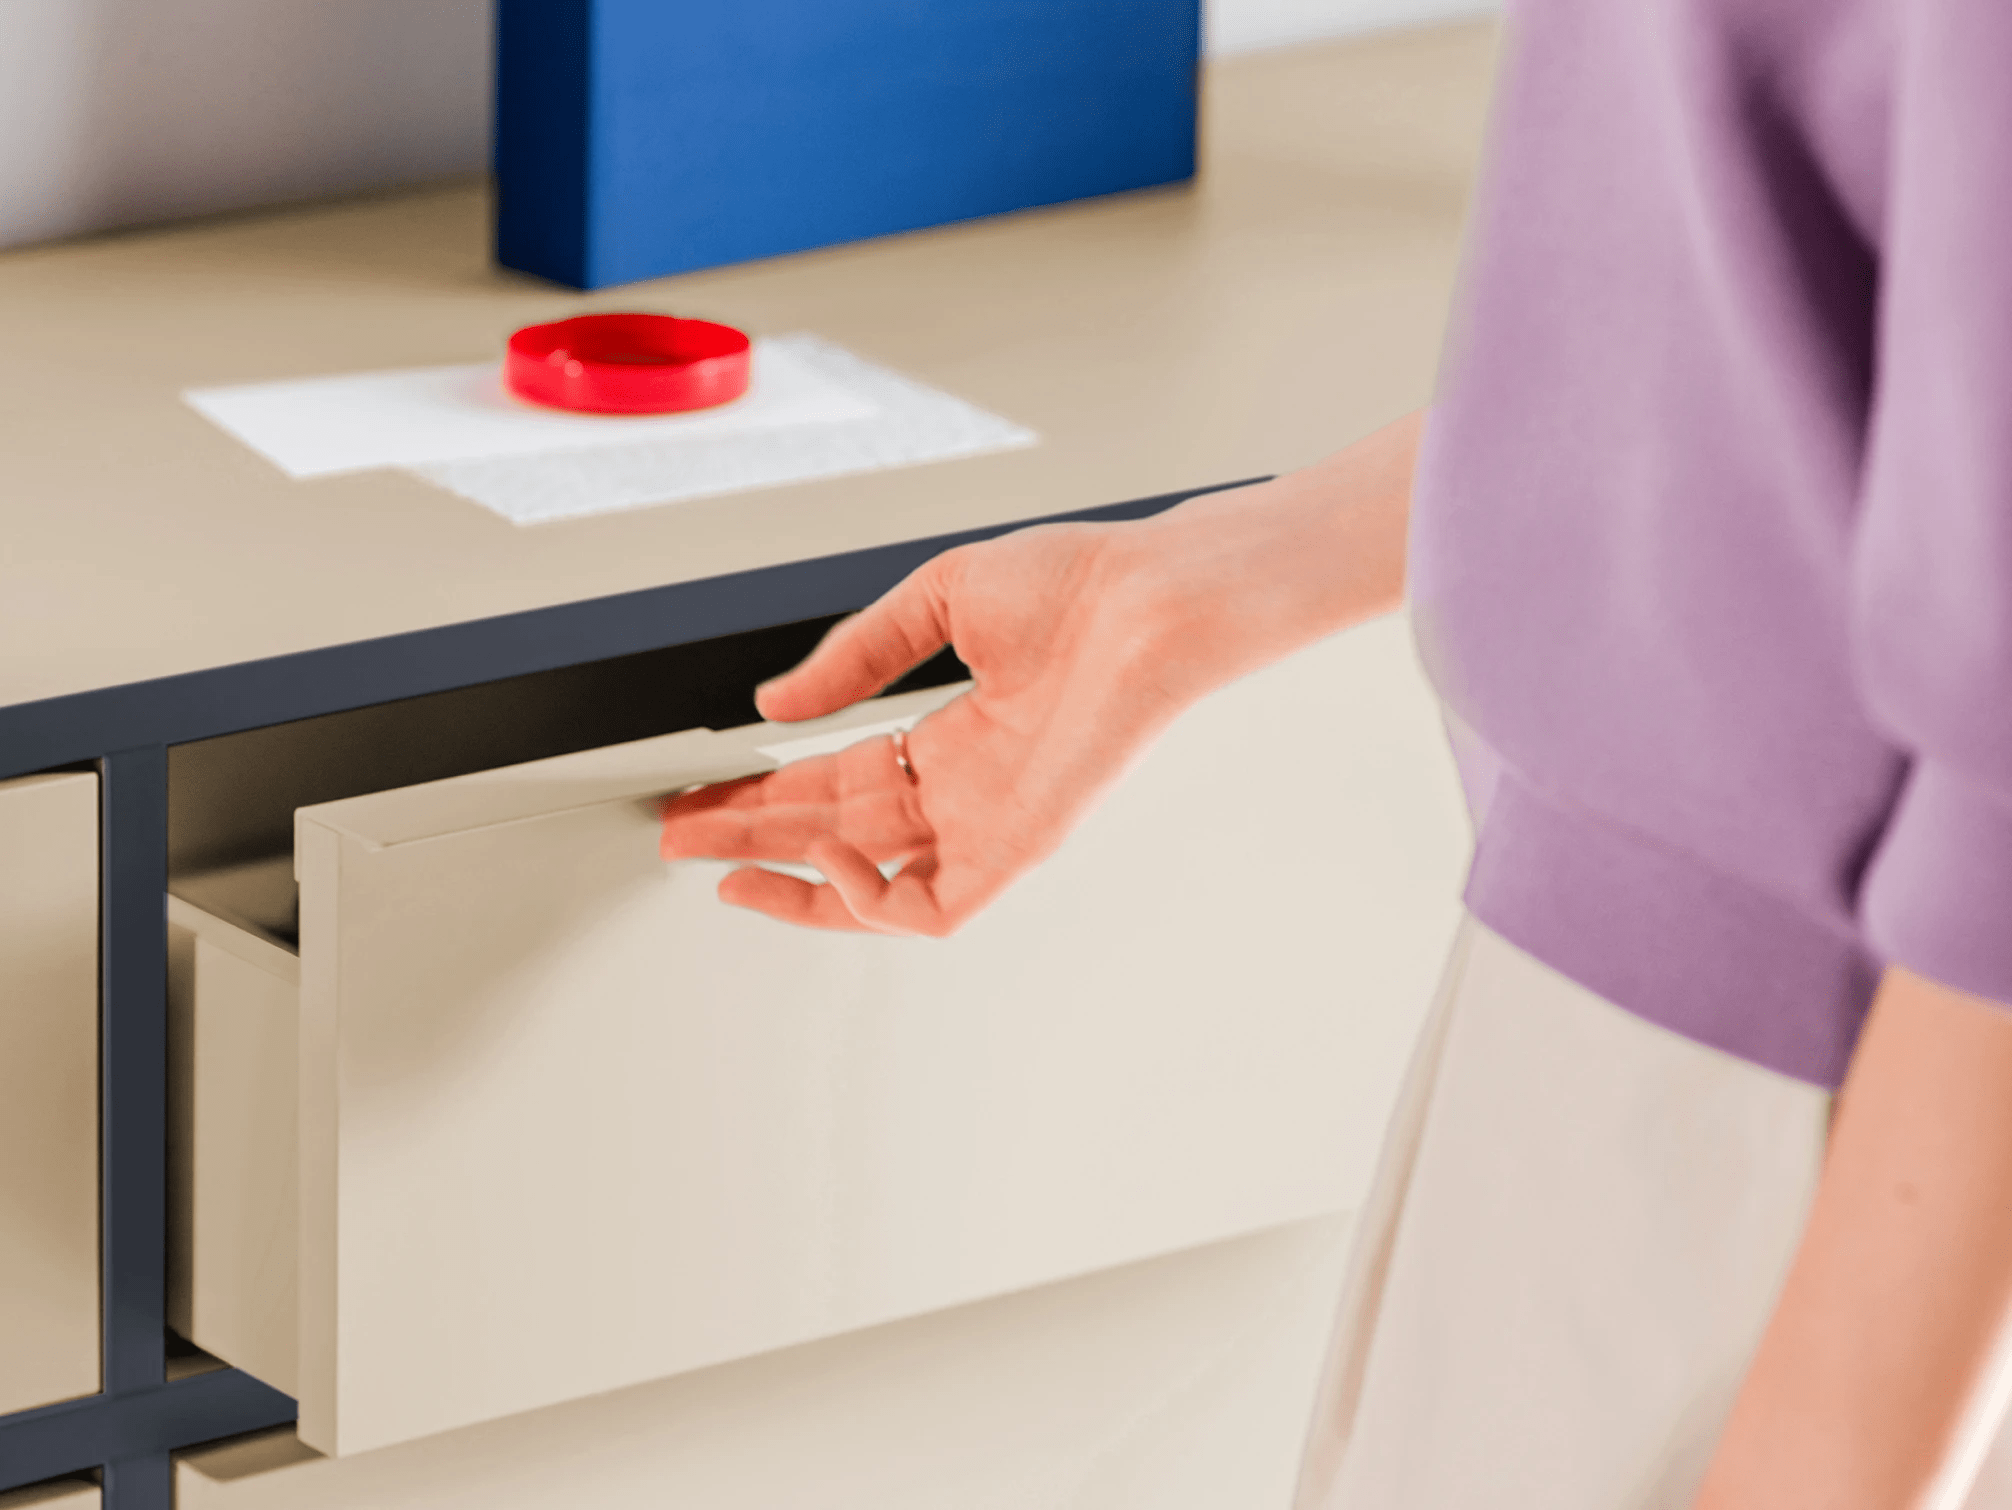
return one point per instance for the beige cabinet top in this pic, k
(1288, 301)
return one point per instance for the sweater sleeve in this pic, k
(1931, 570)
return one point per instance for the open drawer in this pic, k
(527, 1114)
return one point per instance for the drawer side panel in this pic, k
(243, 1205)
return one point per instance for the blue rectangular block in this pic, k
(636, 138)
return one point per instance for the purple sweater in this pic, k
(1712, 542)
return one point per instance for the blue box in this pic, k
(636, 138)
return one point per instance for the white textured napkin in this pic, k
(909, 423)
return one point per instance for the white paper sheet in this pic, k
(911, 423)
(317, 427)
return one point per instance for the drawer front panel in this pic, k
(48, 1089)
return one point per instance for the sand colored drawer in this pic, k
(1182, 1383)
(528, 1115)
(48, 1089)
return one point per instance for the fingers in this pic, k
(715, 822)
(857, 882)
(857, 899)
(739, 836)
(788, 900)
(902, 905)
(865, 652)
(860, 791)
(797, 814)
(704, 798)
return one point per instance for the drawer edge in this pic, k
(235, 941)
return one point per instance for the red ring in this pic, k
(628, 364)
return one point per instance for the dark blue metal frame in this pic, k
(127, 1431)
(129, 1428)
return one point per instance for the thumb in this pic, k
(863, 653)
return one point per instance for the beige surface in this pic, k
(62, 1494)
(567, 1124)
(1289, 302)
(1180, 1384)
(48, 1089)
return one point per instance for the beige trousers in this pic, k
(1578, 1227)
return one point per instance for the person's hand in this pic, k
(1084, 642)
(1068, 686)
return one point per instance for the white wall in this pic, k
(122, 112)
(1238, 26)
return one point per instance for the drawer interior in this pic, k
(259, 896)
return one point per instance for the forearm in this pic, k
(1235, 580)
(1879, 1356)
